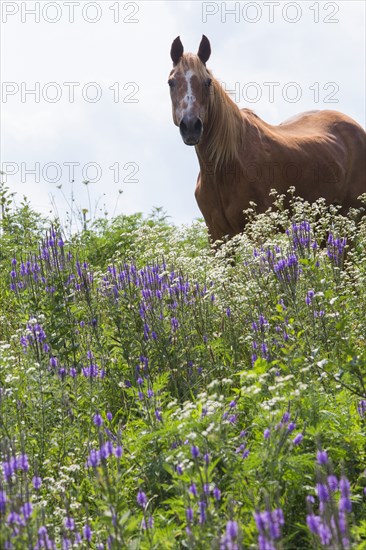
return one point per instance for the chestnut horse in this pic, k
(241, 157)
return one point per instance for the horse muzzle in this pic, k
(191, 129)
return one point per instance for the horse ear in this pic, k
(204, 50)
(176, 50)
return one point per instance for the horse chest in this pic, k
(221, 204)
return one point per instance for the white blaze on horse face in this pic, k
(189, 98)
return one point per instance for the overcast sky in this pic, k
(102, 109)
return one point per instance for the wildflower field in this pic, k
(155, 394)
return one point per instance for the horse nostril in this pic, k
(198, 125)
(183, 127)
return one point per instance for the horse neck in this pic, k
(224, 131)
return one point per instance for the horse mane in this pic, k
(224, 129)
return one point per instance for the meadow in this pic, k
(157, 395)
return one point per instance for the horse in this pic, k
(242, 157)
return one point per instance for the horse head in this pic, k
(190, 86)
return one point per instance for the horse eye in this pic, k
(171, 82)
(208, 82)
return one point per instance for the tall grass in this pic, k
(155, 394)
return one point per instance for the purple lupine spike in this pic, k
(298, 439)
(322, 491)
(189, 515)
(98, 420)
(322, 457)
(141, 499)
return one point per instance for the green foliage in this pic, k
(167, 395)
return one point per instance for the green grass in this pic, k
(165, 394)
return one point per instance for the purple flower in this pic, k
(344, 486)
(345, 505)
(202, 507)
(342, 522)
(332, 482)
(313, 523)
(309, 297)
(14, 519)
(87, 532)
(193, 489)
(43, 539)
(324, 533)
(73, 372)
(37, 482)
(149, 524)
(109, 416)
(98, 420)
(93, 459)
(277, 516)
(322, 491)
(189, 515)
(141, 499)
(3, 501)
(26, 510)
(361, 408)
(266, 433)
(195, 452)
(269, 527)
(23, 463)
(118, 451)
(260, 521)
(241, 448)
(263, 321)
(106, 450)
(322, 457)
(174, 324)
(216, 493)
(232, 529)
(7, 470)
(62, 373)
(69, 524)
(298, 439)
(66, 543)
(291, 427)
